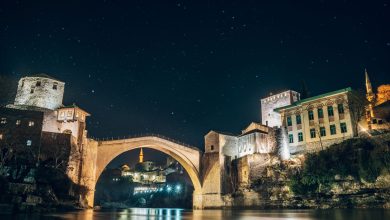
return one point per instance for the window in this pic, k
(32, 91)
(38, 83)
(1, 136)
(212, 147)
(380, 121)
(330, 111)
(374, 121)
(55, 85)
(311, 115)
(340, 108)
(3, 121)
(322, 131)
(69, 114)
(300, 137)
(29, 143)
(22, 83)
(299, 119)
(291, 138)
(289, 122)
(320, 113)
(313, 133)
(343, 127)
(18, 122)
(333, 129)
(31, 123)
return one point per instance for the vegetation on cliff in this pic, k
(362, 159)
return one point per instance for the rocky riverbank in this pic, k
(352, 174)
(26, 197)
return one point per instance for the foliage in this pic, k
(360, 158)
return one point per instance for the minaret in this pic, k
(371, 99)
(141, 156)
(369, 93)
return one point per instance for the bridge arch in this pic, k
(188, 157)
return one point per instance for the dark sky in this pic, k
(182, 68)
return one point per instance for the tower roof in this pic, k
(44, 75)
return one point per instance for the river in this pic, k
(177, 214)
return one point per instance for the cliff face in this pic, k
(353, 174)
(273, 191)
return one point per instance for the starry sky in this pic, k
(181, 68)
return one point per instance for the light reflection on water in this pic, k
(178, 214)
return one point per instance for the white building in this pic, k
(317, 122)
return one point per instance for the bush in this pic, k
(359, 158)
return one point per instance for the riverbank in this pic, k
(352, 174)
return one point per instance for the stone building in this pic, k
(268, 116)
(145, 172)
(317, 122)
(38, 104)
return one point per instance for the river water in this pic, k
(177, 214)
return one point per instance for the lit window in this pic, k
(343, 127)
(311, 115)
(29, 143)
(333, 129)
(1, 136)
(38, 83)
(330, 111)
(322, 131)
(291, 138)
(300, 137)
(320, 113)
(313, 133)
(55, 85)
(299, 119)
(18, 122)
(31, 123)
(3, 121)
(340, 108)
(289, 122)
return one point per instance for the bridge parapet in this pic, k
(145, 135)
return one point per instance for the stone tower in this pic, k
(41, 91)
(369, 93)
(268, 116)
(141, 156)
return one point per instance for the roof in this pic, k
(43, 75)
(73, 106)
(277, 93)
(222, 133)
(254, 126)
(349, 89)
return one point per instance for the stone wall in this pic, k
(40, 92)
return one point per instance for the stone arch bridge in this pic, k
(98, 154)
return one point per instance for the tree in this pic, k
(305, 93)
(357, 105)
(7, 89)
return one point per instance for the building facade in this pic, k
(317, 122)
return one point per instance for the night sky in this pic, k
(182, 68)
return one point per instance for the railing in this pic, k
(146, 135)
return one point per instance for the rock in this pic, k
(21, 188)
(31, 199)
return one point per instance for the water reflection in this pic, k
(176, 214)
